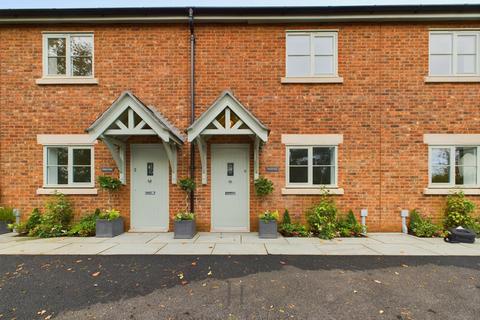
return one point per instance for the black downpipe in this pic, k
(192, 102)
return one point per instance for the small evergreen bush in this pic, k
(423, 227)
(6, 215)
(86, 226)
(349, 226)
(322, 218)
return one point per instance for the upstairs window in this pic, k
(454, 166)
(311, 54)
(454, 53)
(68, 55)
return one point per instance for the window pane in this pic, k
(82, 156)
(298, 175)
(81, 46)
(440, 64)
(466, 63)
(441, 43)
(466, 156)
(57, 65)
(81, 66)
(466, 44)
(440, 174)
(57, 175)
(82, 174)
(298, 66)
(466, 175)
(324, 65)
(56, 47)
(57, 156)
(323, 175)
(298, 44)
(440, 156)
(323, 45)
(323, 156)
(299, 156)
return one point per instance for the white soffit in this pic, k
(451, 139)
(312, 139)
(65, 139)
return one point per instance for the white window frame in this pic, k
(451, 184)
(312, 34)
(70, 184)
(67, 36)
(310, 184)
(455, 34)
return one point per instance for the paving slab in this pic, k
(81, 248)
(298, 240)
(347, 249)
(294, 249)
(4, 245)
(239, 249)
(167, 237)
(133, 249)
(400, 249)
(394, 238)
(31, 248)
(452, 249)
(219, 237)
(187, 248)
(355, 240)
(133, 238)
(256, 239)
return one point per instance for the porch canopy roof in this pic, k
(128, 116)
(227, 116)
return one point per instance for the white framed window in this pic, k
(311, 54)
(311, 166)
(454, 53)
(68, 166)
(68, 55)
(454, 166)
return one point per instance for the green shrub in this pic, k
(269, 216)
(55, 222)
(349, 226)
(423, 227)
(6, 215)
(293, 230)
(458, 211)
(286, 217)
(86, 226)
(322, 218)
(263, 186)
(182, 216)
(474, 225)
(109, 215)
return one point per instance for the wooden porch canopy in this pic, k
(128, 116)
(227, 116)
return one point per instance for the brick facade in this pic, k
(383, 108)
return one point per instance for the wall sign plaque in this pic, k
(272, 169)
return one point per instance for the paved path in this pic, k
(239, 287)
(205, 243)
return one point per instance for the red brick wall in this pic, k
(383, 108)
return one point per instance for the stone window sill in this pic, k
(311, 191)
(447, 191)
(79, 191)
(43, 81)
(312, 80)
(438, 79)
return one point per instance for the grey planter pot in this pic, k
(267, 229)
(185, 229)
(3, 227)
(109, 229)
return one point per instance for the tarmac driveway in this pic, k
(239, 287)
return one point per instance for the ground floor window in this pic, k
(312, 166)
(68, 166)
(452, 166)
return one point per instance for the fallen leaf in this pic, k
(184, 282)
(194, 263)
(204, 284)
(283, 262)
(78, 261)
(48, 317)
(377, 281)
(397, 273)
(355, 291)
(42, 312)
(209, 273)
(180, 276)
(96, 274)
(381, 311)
(404, 265)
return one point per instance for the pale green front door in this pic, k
(230, 187)
(149, 189)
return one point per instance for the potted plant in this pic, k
(267, 225)
(6, 217)
(184, 223)
(109, 223)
